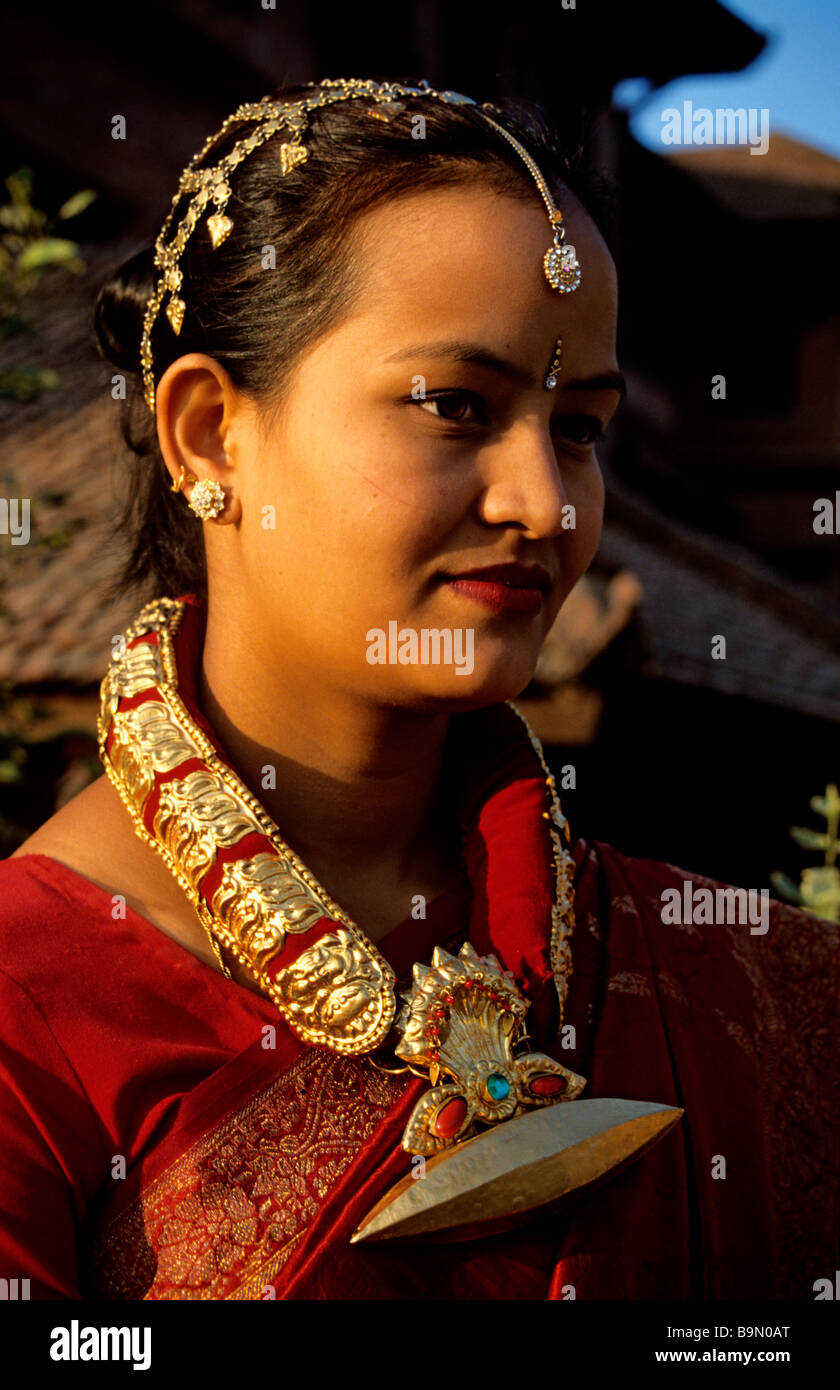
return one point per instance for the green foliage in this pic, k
(18, 717)
(819, 887)
(41, 765)
(27, 383)
(29, 246)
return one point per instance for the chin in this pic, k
(475, 689)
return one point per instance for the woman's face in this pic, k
(382, 494)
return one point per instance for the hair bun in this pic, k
(120, 309)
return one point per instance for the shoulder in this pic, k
(58, 877)
(81, 835)
(50, 917)
(71, 895)
(87, 856)
(50, 920)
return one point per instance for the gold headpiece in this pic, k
(211, 185)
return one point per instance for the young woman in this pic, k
(380, 395)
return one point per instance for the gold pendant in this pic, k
(175, 313)
(562, 268)
(463, 1017)
(219, 228)
(290, 155)
(504, 1177)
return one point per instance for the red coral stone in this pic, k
(468, 984)
(547, 1085)
(450, 1117)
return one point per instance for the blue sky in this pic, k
(797, 77)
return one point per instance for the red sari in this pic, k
(157, 1145)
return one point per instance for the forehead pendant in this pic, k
(561, 265)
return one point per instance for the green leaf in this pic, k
(47, 250)
(77, 203)
(15, 218)
(821, 891)
(27, 383)
(19, 185)
(785, 887)
(810, 839)
(828, 805)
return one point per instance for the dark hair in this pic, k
(258, 325)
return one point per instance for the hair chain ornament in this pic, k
(211, 185)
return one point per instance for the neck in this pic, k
(355, 789)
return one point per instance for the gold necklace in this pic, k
(463, 1019)
(253, 895)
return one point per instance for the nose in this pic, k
(523, 484)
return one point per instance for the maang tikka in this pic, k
(267, 116)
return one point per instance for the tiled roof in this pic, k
(782, 639)
(56, 623)
(62, 452)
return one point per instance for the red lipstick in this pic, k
(512, 588)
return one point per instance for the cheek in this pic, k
(388, 514)
(584, 488)
(349, 515)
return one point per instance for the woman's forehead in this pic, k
(461, 218)
(466, 264)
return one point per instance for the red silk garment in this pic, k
(247, 1167)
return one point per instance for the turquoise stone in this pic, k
(498, 1086)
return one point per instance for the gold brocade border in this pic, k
(223, 1219)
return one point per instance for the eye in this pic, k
(453, 404)
(587, 425)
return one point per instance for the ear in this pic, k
(195, 400)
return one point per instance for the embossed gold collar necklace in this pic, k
(251, 892)
(496, 1142)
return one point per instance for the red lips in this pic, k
(512, 588)
(514, 576)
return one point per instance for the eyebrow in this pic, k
(461, 351)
